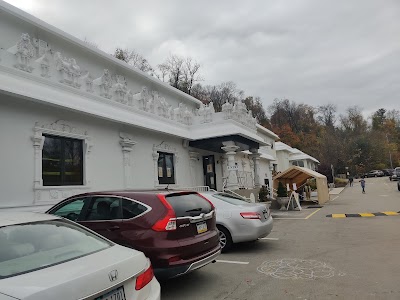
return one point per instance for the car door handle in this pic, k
(113, 228)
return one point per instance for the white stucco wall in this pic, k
(104, 164)
(283, 160)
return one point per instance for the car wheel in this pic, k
(398, 186)
(225, 238)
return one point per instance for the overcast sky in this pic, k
(312, 51)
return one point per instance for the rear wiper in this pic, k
(194, 209)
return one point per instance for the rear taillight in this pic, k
(250, 215)
(168, 222)
(143, 279)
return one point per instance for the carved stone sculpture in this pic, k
(227, 110)
(105, 83)
(25, 52)
(88, 80)
(120, 88)
(69, 69)
(143, 97)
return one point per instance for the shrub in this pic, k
(339, 182)
(282, 192)
(263, 194)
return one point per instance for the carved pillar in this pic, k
(127, 147)
(232, 180)
(256, 160)
(38, 141)
(194, 156)
(155, 160)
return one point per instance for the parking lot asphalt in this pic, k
(315, 258)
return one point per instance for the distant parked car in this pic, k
(238, 220)
(396, 174)
(48, 257)
(387, 172)
(176, 230)
(375, 173)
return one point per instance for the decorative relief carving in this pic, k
(239, 113)
(206, 112)
(70, 71)
(183, 115)
(120, 89)
(88, 80)
(53, 194)
(44, 62)
(227, 110)
(105, 83)
(42, 47)
(60, 126)
(24, 52)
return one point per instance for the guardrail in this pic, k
(200, 189)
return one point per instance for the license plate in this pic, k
(117, 294)
(201, 227)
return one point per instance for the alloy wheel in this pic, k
(222, 239)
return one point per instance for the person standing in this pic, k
(362, 181)
(307, 190)
(351, 181)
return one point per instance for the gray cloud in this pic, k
(312, 51)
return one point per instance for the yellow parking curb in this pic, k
(338, 215)
(390, 213)
(367, 215)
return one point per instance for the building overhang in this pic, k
(215, 144)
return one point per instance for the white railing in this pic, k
(237, 195)
(203, 188)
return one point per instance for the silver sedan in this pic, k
(238, 220)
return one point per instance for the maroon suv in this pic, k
(176, 230)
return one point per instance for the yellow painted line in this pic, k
(366, 215)
(338, 216)
(310, 215)
(390, 213)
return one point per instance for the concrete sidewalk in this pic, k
(336, 191)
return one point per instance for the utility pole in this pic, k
(390, 153)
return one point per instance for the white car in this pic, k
(47, 257)
(239, 221)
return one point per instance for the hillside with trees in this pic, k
(348, 141)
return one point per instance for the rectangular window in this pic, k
(166, 170)
(62, 161)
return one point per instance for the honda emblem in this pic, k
(113, 275)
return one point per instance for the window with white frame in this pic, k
(62, 161)
(166, 168)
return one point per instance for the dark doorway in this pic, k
(209, 171)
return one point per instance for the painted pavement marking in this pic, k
(271, 239)
(232, 262)
(294, 268)
(368, 215)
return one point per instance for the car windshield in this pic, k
(230, 199)
(33, 246)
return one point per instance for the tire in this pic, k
(225, 238)
(398, 186)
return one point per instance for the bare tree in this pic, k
(134, 59)
(191, 74)
(326, 114)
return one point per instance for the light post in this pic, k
(390, 153)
